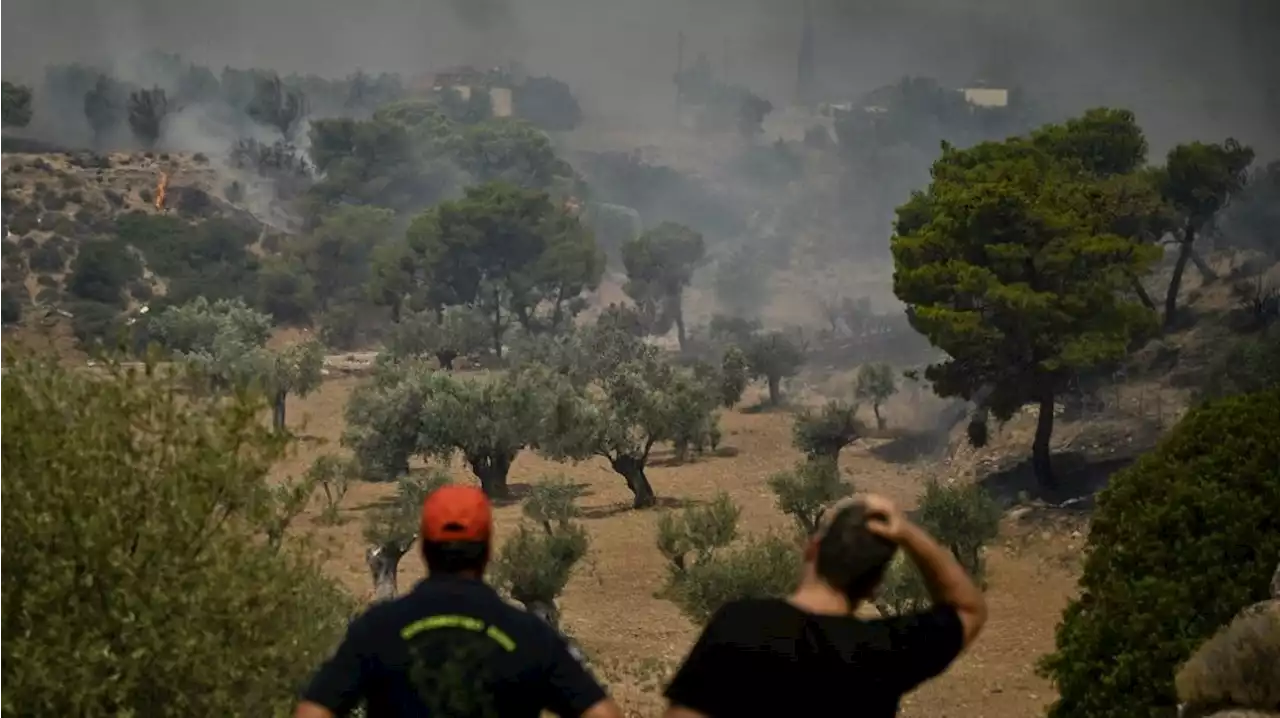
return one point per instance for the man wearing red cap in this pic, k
(452, 647)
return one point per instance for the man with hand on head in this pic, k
(452, 647)
(808, 654)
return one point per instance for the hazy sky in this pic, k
(1191, 68)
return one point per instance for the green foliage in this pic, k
(396, 523)
(660, 264)
(333, 475)
(337, 253)
(875, 383)
(224, 341)
(774, 356)
(511, 151)
(806, 491)
(410, 411)
(507, 250)
(706, 572)
(100, 272)
(903, 589)
(620, 398)
(534, 565)
(1025, 289)
(547, 103)
(735, 374)
(1179, 542)
(145, 529)
(446, 335)
(1197, 182)
(1238, 667)
(210, 259)
(1102, 141)
(16, 105)
(964, 518)
(104, 104)
(822, 434)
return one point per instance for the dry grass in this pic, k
(635, 638)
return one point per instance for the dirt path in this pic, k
(610, 605)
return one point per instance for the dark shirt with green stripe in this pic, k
(453, 647)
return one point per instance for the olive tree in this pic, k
(138, 575)
(822, 434)
(447, 334)
(534, 565)
(774, 356)
(806, 491)
(225, 341)
(407, 410)
(875, 384)
(391, 529)
(621, 411)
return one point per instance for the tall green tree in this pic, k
(277, 106)
(1003, 270)
(1198, 181)
(104, 105)
(506, 250)
(16, 105)
(337, 254)
(660, 264)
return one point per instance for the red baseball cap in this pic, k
(456, 513)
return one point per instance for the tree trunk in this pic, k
(546, 610)
(277, 411)
(1206, 272)
(1040, 459)
(1135, 283)
(632, 469)
(775, 390)
(492, 471)
(875, 409)
(384, 562)
(1175, 282)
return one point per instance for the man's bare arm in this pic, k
(947, 580)
(307, 709)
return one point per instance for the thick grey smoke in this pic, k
(1191, 68)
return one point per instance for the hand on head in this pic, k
(884, 518)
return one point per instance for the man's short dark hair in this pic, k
(851, 558)
(445, 557)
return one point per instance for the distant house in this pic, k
(986, 96)
(465, 80)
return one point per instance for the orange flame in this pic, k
(161, 186)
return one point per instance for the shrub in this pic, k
(46, 257)
(704, 573)
(1238, 667)
(962, 518)
(822, 434)
(1179, 542)
(803, 494)
(101, 271)
(533, 566)
(903, 588)
(135, 516)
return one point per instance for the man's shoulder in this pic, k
(752, 615)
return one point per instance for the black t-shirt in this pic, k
(767, 657)
(453, 647)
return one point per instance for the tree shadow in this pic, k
(610, 510)
(1079, 476)
(668, 458)
(910, 447)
